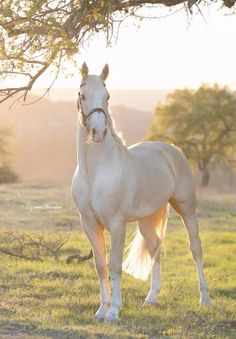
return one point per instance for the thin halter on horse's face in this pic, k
(92, 101)
(85, 117)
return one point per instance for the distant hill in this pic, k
(43, 145)
(143, 100)
(132, 123)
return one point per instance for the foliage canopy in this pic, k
(35, 35)
(202, 123)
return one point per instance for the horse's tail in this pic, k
(139, 262)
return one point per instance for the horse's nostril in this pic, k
(105, 132)
(93, 131)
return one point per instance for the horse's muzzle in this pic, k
(98, 136)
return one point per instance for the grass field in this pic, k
(50, 299)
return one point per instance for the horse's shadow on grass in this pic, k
(17, 330)
(228, 293)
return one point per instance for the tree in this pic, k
(202, 123)
(35, 35)
(4, 134)
(7, 175)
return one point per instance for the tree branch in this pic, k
(18, 255)
(40, 33)
(33, 247)
(9, 92)
(79, 258)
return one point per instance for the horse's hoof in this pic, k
(147, 303)
(205, 300)
(98, 319)
(112, 315)
(101, 313)
(150, 301)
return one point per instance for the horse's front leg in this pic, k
(117, 234)
(95, 234)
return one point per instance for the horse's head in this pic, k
(93, 102)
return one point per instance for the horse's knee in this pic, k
(195, 247)
(115, 269)
(101, 268)
(115, 266)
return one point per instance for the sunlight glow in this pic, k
(174, 52)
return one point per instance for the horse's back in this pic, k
(158, 154)
(161, 153)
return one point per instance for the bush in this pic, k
(7, 175)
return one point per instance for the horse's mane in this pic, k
(117, 136)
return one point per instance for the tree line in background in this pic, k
(202, 123)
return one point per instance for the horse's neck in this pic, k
(101, 154)
(81, 148)
(97, 153)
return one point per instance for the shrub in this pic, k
(7, 175)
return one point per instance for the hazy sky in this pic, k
(177, 51)
(172, 52)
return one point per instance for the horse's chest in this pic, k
(105, 192)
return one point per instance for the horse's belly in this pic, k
(152, 193)
(145, 208)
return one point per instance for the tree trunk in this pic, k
(205, 177)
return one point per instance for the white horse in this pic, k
(113, 185)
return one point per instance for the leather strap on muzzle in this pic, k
(85, 117)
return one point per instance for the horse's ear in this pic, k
(84, 71)
(105, 72)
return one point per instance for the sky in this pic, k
(174, 51)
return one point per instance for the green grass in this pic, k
(54, 300)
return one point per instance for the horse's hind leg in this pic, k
(147, 229)
(187, 210)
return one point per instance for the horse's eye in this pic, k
(108, 97)
(82, 96)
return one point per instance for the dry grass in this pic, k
(55, 300)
